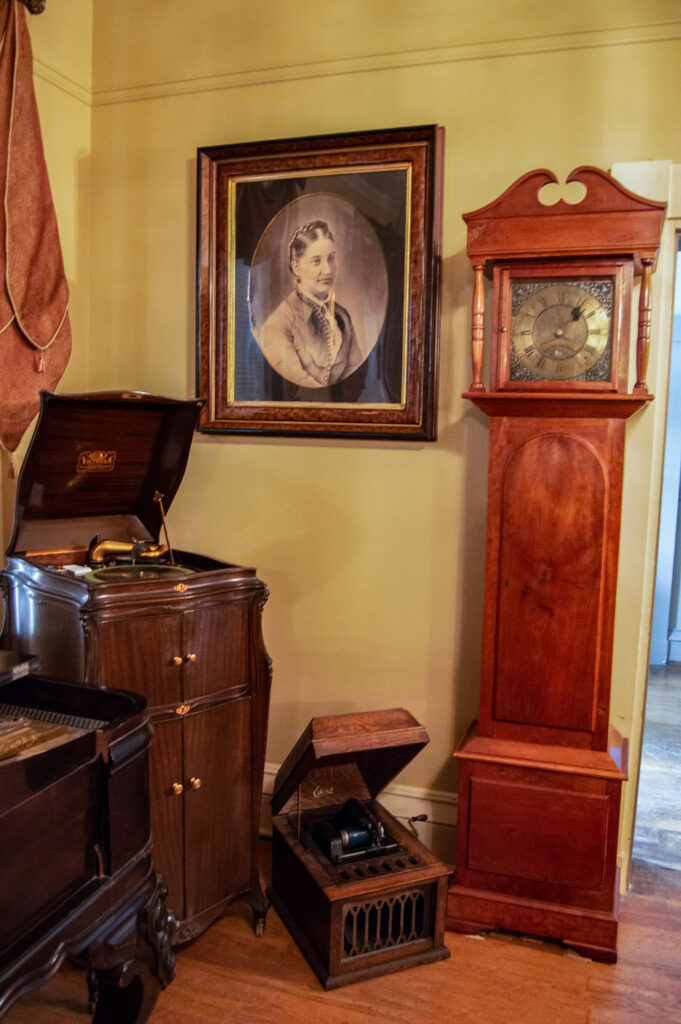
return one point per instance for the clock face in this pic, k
(561, 329)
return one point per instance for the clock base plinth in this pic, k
(594, 934)
(537, 841)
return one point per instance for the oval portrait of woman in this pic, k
(318, 290)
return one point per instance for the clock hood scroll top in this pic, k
(609, 219)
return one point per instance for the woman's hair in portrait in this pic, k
(303, 235)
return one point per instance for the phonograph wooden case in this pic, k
(360, 894)
(100, 598)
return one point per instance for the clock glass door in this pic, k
(560, 330)
(557, 326)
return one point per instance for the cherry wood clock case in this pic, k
(181, 628)
(540, 773)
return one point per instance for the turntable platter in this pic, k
(124, 573)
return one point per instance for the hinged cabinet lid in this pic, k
(94, 464)
(362, 752)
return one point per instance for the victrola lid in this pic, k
(339, 756)
(95, 464)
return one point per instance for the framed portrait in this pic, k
(317, 285)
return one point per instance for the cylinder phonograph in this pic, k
(358, 891)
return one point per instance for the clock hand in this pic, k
(575, 315)
(577, 310)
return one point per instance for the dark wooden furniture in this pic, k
(187, 634)
(541, 771)
(77, 875)
(382, 909)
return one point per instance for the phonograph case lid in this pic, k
(356, 754)
(94, 464)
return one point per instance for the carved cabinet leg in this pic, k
(259, 904)
(119, 1002)
(126, 991)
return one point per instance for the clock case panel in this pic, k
(508, 275)
(554, 500)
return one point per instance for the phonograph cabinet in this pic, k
(357, 890)
(541, 772)
(93, 591)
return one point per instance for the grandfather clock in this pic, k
(540, 773)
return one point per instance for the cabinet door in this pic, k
(167, 809)
(138, 653)
(215, 647)
(219, 829)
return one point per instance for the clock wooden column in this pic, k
(541, 772)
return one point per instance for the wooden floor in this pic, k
(657, 837)
(228, 975)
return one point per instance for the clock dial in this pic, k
(561, 330)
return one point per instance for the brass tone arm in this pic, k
(101, 550)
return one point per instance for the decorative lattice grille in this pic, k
(385, 921)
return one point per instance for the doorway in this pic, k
(657, 834)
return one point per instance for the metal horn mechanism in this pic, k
(102, 551)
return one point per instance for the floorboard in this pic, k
(657, 836)
(228, 975)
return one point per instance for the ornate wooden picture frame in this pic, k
(317, 285)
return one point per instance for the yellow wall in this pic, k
(373, 552)
(62, 51)
(62, 55)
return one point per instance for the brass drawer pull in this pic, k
(191, 657)
(177, 788)
(195, 783)
(182, 709)
(177, 660)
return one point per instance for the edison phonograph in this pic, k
(352, 833)
(95, 589)
(358, 891)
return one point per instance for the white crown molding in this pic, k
(626, 36)
(59, 81)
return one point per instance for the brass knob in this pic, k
(177, 660)
(191, 657)
(177, 788)
(195, 783)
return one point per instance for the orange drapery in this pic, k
(35, 333)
